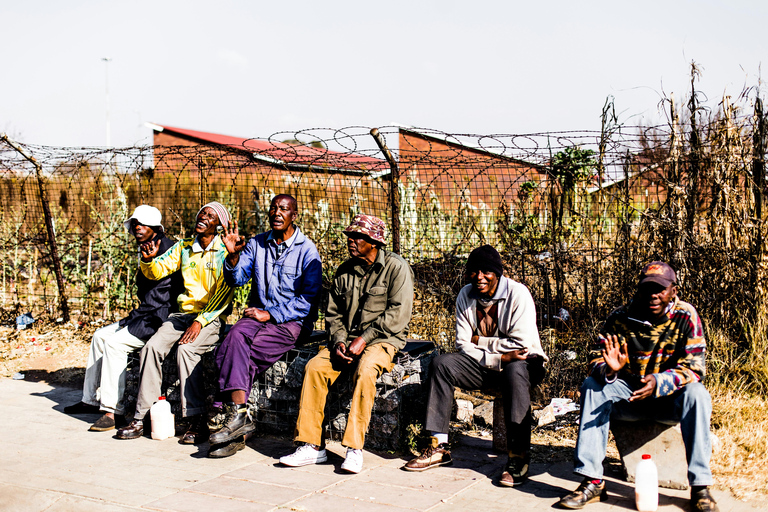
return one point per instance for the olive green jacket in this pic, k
(375, 305)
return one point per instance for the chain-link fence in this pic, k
(574, 214)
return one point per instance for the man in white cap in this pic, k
(108, 357)
(194, 330)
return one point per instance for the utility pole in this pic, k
(107, 60)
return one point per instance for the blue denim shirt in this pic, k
(290, 289)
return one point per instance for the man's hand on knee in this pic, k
(191, 333)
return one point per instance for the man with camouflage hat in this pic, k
(369, 308)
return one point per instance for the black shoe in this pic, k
(516, 470)
(588, 492)
(236, 424)
(81, 408)
(228, 449)
(702, 501)
(133, 431)
(103, 424)
(197, 433)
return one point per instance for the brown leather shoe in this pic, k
(702, 501)
(197, 433)
(133, 431)
(516, 470)
(588, 492)
(432, 456)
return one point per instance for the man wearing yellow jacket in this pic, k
(195, 328)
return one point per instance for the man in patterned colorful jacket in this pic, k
(195, 328)
(649, 364)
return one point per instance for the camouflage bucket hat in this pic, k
(368, 225)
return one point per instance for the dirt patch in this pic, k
(51, 352)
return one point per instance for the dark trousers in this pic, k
(250, 348)
(515, 381)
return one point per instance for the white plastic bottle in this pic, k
(162, 419)
(646, 485)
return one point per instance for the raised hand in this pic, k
(233, 242)
(614, 353)
(232, 239)
(149, 250)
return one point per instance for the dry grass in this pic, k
(740, 454)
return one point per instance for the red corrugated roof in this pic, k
(286, 153)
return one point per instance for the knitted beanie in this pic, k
(220, 210)
(487, 259)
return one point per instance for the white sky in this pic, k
(255, 68)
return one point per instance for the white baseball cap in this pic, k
(147, 215)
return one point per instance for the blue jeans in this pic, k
(690, 406)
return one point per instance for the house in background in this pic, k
(192, 167)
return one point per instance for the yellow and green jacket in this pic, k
(205, 291)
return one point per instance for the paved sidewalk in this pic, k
(51, 462)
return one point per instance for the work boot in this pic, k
(702, 501)
(589, 491)
(228, 449)
(236, 424)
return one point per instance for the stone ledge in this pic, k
(664, 443)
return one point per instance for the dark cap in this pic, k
(487, 259)
(658, 272)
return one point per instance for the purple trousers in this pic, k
(250, 348)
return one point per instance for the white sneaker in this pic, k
(304, 455)
(353, 463)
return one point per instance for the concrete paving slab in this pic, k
(324, 502)
(76, 504)
(277, 474)
(444, 480)
(57, 465)
(14, 498)
(251, 491)
(380, 493)
(185, 501)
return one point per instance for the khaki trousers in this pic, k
(320, 373)
(191, 385)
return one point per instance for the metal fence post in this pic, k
(394, 189)
(63, 304)
(758, 175)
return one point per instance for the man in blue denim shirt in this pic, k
(286, 275)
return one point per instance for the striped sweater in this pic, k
(673, 350)
(205, 291)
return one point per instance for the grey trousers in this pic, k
(515, 381)
(192, 387)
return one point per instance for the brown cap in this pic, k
(658, 272)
